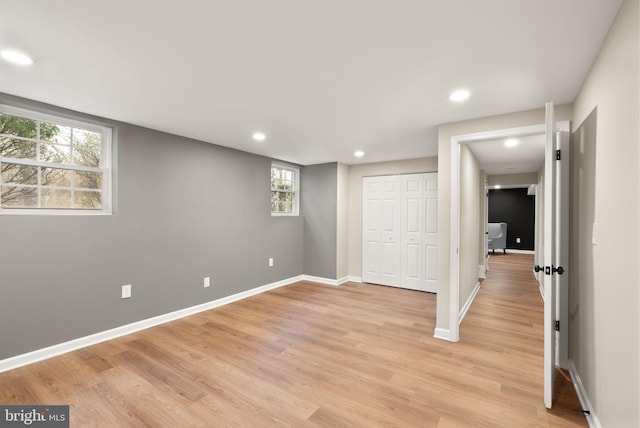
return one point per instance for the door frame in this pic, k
(454, 243)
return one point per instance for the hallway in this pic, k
(504, 326)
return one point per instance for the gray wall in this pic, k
(185, 210)
(318, 202)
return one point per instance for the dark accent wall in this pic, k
(319, 198)
(517, 209)
(185, 210)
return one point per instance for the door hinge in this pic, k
(557, 325)
(558, 154)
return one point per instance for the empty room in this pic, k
(276, 214)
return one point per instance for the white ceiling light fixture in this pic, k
(497, 187)
(460, 95)
(259, 136)
(358, 153)
(511, 142)
(16, 57)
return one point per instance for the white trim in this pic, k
(106, 169)
(541, 289)
(454, 262)
(295, 209)
(482, 273)
(357, 279)
(454, 259)
(581, 392)
(82, 342)
(442, 334)
(514, 251)
(321, 280)
(469, 301)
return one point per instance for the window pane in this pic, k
(18, 174)
(86, 139)
(18, 126)
(55, 153)
(55, 133)
(54, 198)
(88, 200)
(86, 157)
(18, 149)
(88, 180)
(19, 197)
(56, 177)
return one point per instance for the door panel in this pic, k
(430, 235)
(372, 232)
(412, 226)
(555, 248)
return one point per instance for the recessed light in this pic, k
(359, 154)
(259, 136)
(15, 57)
(511, 142)
(460, 95)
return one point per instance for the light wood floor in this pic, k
(357, 355)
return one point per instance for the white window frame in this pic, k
(105, 158)
(296, 189)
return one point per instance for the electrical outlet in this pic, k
(126, 291)
(207, 282)
(517, 240)
(270, 261)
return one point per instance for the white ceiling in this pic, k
(496, 159)
(320, 78)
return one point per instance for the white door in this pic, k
(430, 236)
(381, 230)
(555, 245)
(371, 229)
(412, 231)
(399, 245)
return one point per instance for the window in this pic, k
(284, 190)
(50, 164)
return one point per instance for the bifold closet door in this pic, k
(419, 231)
(381, 230)
(412, 212)
(430, 233)
(400, 231)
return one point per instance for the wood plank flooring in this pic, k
(357, 355)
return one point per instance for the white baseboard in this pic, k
(357, 279)
(82, 342)
(482, 273)
(592, 419)
(514, 251)
(442, 334)
(469, 301)
(322, 280)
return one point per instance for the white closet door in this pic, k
(430, 235)
(391, 208)
(412, 231)
(399, 242)
(381, 240)
(371, 230)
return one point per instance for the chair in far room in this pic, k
(497, 237)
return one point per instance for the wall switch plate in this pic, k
(126, 291)
(207, 282)
(270, 261)
(517, 240)
(594, 234)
